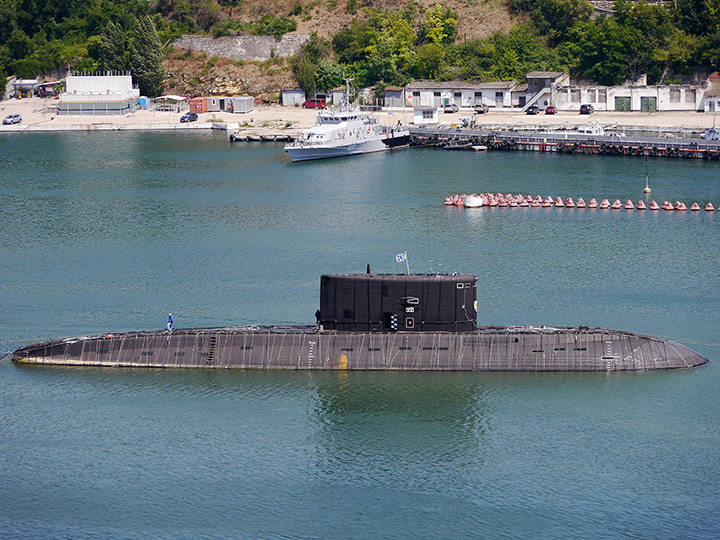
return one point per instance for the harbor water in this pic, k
(105, 232)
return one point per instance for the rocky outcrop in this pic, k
(258, 48)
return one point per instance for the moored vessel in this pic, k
(345, 131)
(369, 321)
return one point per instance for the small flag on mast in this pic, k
(402, 258)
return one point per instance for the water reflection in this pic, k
(379, 426)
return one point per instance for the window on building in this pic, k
(428, 115)
(416, 93)
(478, 94)
(690, 95)
(674, 95)
(499, 96)
(602, 96)
(575, 96)
(436, 94)
(457, 95)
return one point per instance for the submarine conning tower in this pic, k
(398, 302)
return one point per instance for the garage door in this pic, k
(622, 103)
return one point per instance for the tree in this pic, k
(305, 75)
(112, 52)
(146, 58)
(440, 25)
(328, 75)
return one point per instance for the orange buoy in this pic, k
(593, 203)
(641, 206)
(535, 204)
(654, 206)
(604, 204)
(695, 207)
(629, 205)
(569, 203)
(709, 207)
(680, 206)
(559, 203)
(580, 203)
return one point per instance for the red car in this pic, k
(314, 103)
(550, 110)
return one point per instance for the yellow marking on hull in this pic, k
(343, 361)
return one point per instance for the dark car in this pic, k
(586, 109)
(189, 117)
(480, 108)
(532, 109)
(12, 119)
(315, 103)
(450, 108)
(550, 110)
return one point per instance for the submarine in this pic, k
(412, 322)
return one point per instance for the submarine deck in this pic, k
(488, 348)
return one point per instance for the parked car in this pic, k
(550, 110)
(12, 119)
(480, 108)
(189, 117)
(586, 109)
(532, 109)
(451, 108)
(315, 103)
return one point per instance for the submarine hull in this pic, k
(492, 348)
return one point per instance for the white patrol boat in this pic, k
(345, 131)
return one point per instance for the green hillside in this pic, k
(378, 42)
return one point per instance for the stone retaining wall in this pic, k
(258, 48)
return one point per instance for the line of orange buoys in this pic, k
(509, 200)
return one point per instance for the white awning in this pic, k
(172, 98)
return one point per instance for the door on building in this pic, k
(622, 104)
(648, 104)
(222, 104)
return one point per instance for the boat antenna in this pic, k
(647, 187)
(348, 94)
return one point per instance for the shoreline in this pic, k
(272, 119)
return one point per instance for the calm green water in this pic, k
(110, 231)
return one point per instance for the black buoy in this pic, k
(368, 268)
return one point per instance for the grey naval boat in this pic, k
(345, 131)
(377, 322)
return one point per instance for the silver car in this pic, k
(12, 119)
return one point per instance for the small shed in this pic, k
(293, 97)
(240, 104)
(394, 96)
(337, 95)
(425, 115)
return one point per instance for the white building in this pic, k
(425, 115)
(99, 94)
(464, 95)
(633, 96)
